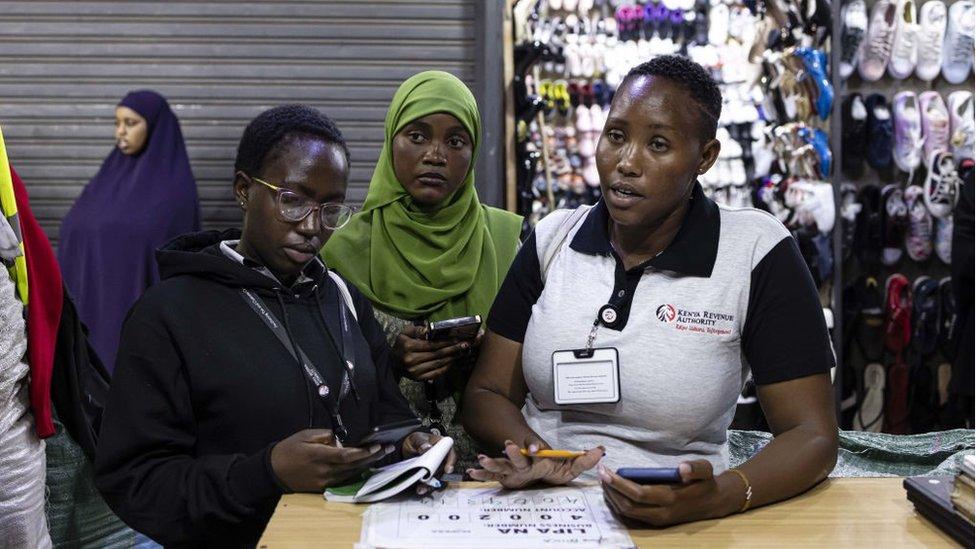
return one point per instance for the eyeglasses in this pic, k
(293, 207)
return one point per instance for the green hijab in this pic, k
(436, 264)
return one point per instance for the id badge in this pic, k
(584, 376)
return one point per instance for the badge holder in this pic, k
(588, 376)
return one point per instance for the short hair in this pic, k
(694, 79)
(264, 136)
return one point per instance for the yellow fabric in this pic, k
(8, 205)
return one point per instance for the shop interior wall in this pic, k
(65, 65)
(850, 270)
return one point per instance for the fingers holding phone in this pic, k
(312, 459)
(428, 354)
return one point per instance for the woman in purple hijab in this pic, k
(143, 196)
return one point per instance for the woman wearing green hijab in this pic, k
(424, 248)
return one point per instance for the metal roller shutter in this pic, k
(65, 65)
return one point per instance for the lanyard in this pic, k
(311, 372)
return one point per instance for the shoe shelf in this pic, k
(895, 116)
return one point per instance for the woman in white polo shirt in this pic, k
(629, 329)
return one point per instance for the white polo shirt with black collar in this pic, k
(729, 296)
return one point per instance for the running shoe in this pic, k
(957, 50)
(918, 236)
(855, 20)
(935, 123)
(961, 121)
(904, 48)
(931, 35)
(880, 131)
(894, 220)
(854, 134)
(908, 132)
(942, 185)
(876, 48)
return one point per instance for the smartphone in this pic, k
(651, 475)
(465, 327)
(389, 433)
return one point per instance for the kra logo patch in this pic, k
(666, 313)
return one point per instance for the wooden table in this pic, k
(857, 512)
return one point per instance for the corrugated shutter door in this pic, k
(65, 65)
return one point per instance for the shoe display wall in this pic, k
(872, 152)
(907, 123)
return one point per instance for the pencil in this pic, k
(553, 453)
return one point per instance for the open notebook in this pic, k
(392, 479)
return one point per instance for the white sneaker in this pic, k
(935, 123)
(943, 239)
(961, 114)
(855, 18)
(876, 48)
(942, 185)
(931, 34)
(718, 25)
(904, 51)
(907, 151)
(918, 237)
(957, 50)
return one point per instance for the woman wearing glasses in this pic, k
(242, 373)
(424, 248)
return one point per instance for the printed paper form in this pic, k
(574, 516)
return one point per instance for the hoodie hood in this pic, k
(199, 254)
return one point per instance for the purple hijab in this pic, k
(133, 205)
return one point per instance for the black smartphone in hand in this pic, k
(465, 327)
(651, 475)
(389, 433)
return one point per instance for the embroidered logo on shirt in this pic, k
(704, 322)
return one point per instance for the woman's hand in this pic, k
(517, 471)
(700, 496)
(419, 442)
(426, 360)
(311, 460)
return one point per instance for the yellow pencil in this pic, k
(553, 453)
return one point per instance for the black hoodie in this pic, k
(203, 389)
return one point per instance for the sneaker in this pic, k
(894, 220)
(898, 313)
(908, 132)
(961, 124)
(957, 50)
(904, 48)
(718, 28)
(869, 330)
(931, 34)
(947, 318)
(855, 20)
(925, 315)
(854, 134)
(943, 239)
(876, 48)
(849, 209)
(942, 185)
(935, 123)
(918, 236)
(880, 130)
(869, 233)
